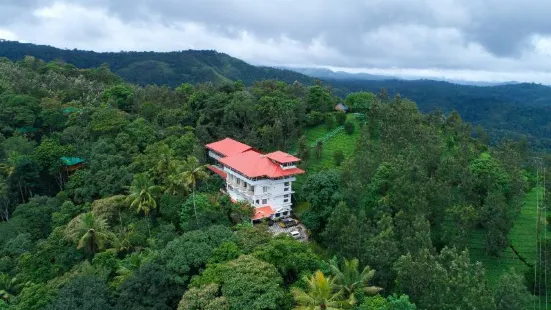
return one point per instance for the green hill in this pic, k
(170, 68)
(513, 111)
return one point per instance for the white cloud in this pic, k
(73, 26)
(542, 45)
(7, 35)
(451, 38)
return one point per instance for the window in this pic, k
(286, 196)
(264, 201)
(285, 200)
(257, 201)
(277, 215)
(286, 189)
(264, 189)
(251, 188)
(286, 183)
(286, 213)
(238, 182)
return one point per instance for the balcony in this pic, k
(247, 193)
(241, 189)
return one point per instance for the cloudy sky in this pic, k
(481, 40)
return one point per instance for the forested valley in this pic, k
(105, 201)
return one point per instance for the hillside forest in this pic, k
(511, 111)
(105, 201)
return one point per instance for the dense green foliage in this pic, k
(143, 225)
(505, 111)
(513, 111)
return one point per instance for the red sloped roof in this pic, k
(262, 212)
(217, 171)
(228, 147)
(282, 157)
(253, 164)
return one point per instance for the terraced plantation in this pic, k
(522, 237)
(333, 140)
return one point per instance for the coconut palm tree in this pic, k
(194, 172)
(9, 287)
(89, 231)
(348, 279)
(164, 164)
(320, 294)
(129, 265)
(142, 194)
(176, 182)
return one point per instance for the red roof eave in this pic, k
(287, 172)
(218, 171)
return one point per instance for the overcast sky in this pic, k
(481, 40)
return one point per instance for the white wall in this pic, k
(275, 196)
(214, 155)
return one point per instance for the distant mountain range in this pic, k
(170, 68)
(328, 74)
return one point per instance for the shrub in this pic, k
(341, 118)
(338, 157)
(349, 128)
(330, 121)
(314, 118)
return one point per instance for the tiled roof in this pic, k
(262, 212)
(253, 164)
(228, 147)
(282, 157)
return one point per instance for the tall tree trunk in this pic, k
(21, 192)
(60, 180)
(4, 212)
(194, 208)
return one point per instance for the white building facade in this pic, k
(275, 193)
(265, 181)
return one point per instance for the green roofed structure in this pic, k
(72, 163)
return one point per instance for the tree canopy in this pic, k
(140, 223)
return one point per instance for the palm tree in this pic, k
(9, 287)
(142, 194)
(348, 279)
(320, 294)
(176, 182)
(89, 231)
(194, 172)
(129, 265)
(164, 163)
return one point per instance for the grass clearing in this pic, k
(336, 139)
